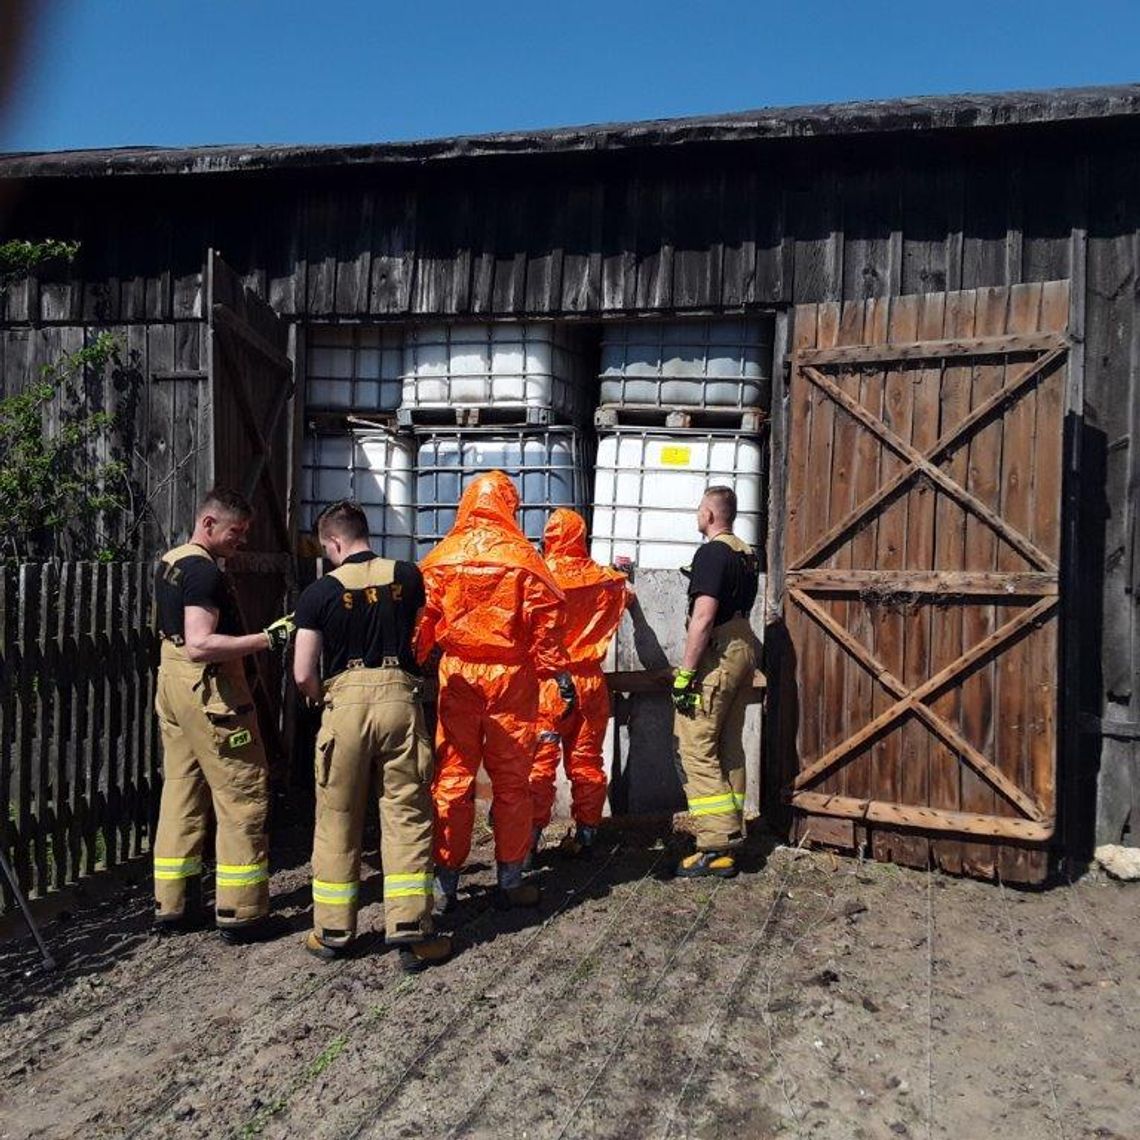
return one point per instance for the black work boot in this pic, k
(193, 916)
(578, 844)
(258, 930)
(707, 864)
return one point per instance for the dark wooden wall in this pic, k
(703, 227)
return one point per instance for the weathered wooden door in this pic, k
(251, 390)
(921, 592)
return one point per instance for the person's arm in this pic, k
(701, 622)
(544, 608)
(205, 646)
(424, 638)
(306, 664)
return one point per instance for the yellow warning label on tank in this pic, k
(676, 456)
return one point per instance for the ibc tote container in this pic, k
(690, 364)
(648, 484)
(373, 467)
(353, 368)
(515, 365)
(548, 466)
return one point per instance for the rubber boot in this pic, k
(514, 890)
(707, 864)
(535, 848)
(445, 889)
(418, 956)
(578, 844)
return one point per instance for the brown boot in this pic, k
(525, 894)
(321, 949)
(418, 956)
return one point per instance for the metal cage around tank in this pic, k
(549, 466)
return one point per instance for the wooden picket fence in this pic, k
(79, 747)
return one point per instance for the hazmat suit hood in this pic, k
(486, 531)
(564, 536)
(595, 594)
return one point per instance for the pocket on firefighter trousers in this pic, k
(326, 742)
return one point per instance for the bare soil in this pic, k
(810, 997)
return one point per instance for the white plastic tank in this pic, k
(373, 467)
(353, 368)
(535, 364)
(648, 484)
(548, 468)
(692, 364)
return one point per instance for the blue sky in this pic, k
(191, 72)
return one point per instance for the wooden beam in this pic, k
(226, 317)
(924, 818)
(661, 681)
(174, 374)
(931, 349)
(936, 475)
(936, 583)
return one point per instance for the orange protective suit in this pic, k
(595, 600)
(494, 610)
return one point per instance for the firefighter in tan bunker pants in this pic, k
(211, 746)
(362, 616)
(711, 689)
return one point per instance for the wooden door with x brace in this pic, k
(251, 389)
(921, 591)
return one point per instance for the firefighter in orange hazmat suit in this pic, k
(595, 600)
(495, 612)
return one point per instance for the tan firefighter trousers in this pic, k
(211, 749)
(711, 739)
(373, 721)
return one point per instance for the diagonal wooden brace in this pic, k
(916, 697)
(919, 463)
(942, 447)
(949, 735)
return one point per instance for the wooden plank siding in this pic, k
(703, 227)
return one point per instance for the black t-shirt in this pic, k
(366, 625)
(193, 580)
(728, 575)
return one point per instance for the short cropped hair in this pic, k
(346, 518)
(723, 503)
(225, 501)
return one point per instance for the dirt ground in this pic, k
(810, 997)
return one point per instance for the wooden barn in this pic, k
(952, 438)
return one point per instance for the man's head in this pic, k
(342, 529)
(717, 511)
(222, 522)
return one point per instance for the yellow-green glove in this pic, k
(686, 698)
(280, 632)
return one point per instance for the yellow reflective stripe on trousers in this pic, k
(417, 884)
(165, 868)
(738, 800)
(335, 894)
(241, 874)
(714, 805)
